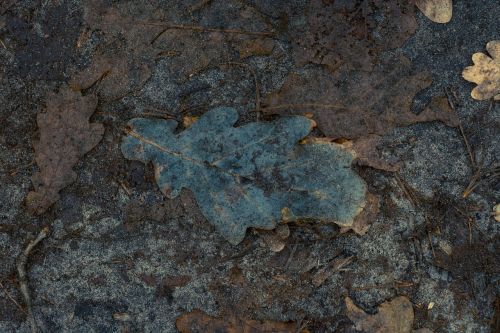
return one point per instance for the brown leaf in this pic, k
(335, 33)
(365, 148)
(395, 316)
(485, 72)
(65, 136)
(362, 222)
(198, 321)
(439, 11)
(123, 63)
(359, 105)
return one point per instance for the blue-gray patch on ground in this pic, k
(249, 176)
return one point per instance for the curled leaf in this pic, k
(250, 176)
(439, 11)
(485, 72)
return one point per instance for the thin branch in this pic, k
(12, 298)
(197, 28)
(462, 132)
(303, 106)
(23, 276)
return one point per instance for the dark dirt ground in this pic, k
(125, 249)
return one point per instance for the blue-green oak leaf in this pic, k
(255, 175)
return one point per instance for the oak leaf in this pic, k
(485, 72)
(439, 11)
(198, 321)
(359, 105)
(254, 175)
(65, 136)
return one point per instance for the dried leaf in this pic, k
(359, 105)
(395, 316)
(249, 176)
(485, 72)
(349, 32)
(124, 63)
(197, 321)
(439, 11)
(496, 212)
(65, 136)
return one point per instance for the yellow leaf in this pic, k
(439, 11)
(485, 72)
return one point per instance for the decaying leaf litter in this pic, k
(120, 78)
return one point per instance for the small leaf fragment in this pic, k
(485, 73)
(439, 11)
(254, 175)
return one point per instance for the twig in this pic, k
(470, 221)
(462, 132)
(23, 277)
(1, 42)
(474, 182)
(158, 115)
(415, 203)
(167, 27)
(256, 82)
(302, 106)
(124, 187)
(12, 298)
(407, 191)
(290, 257)
(480, 176)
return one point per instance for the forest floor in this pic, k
(119, 256)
